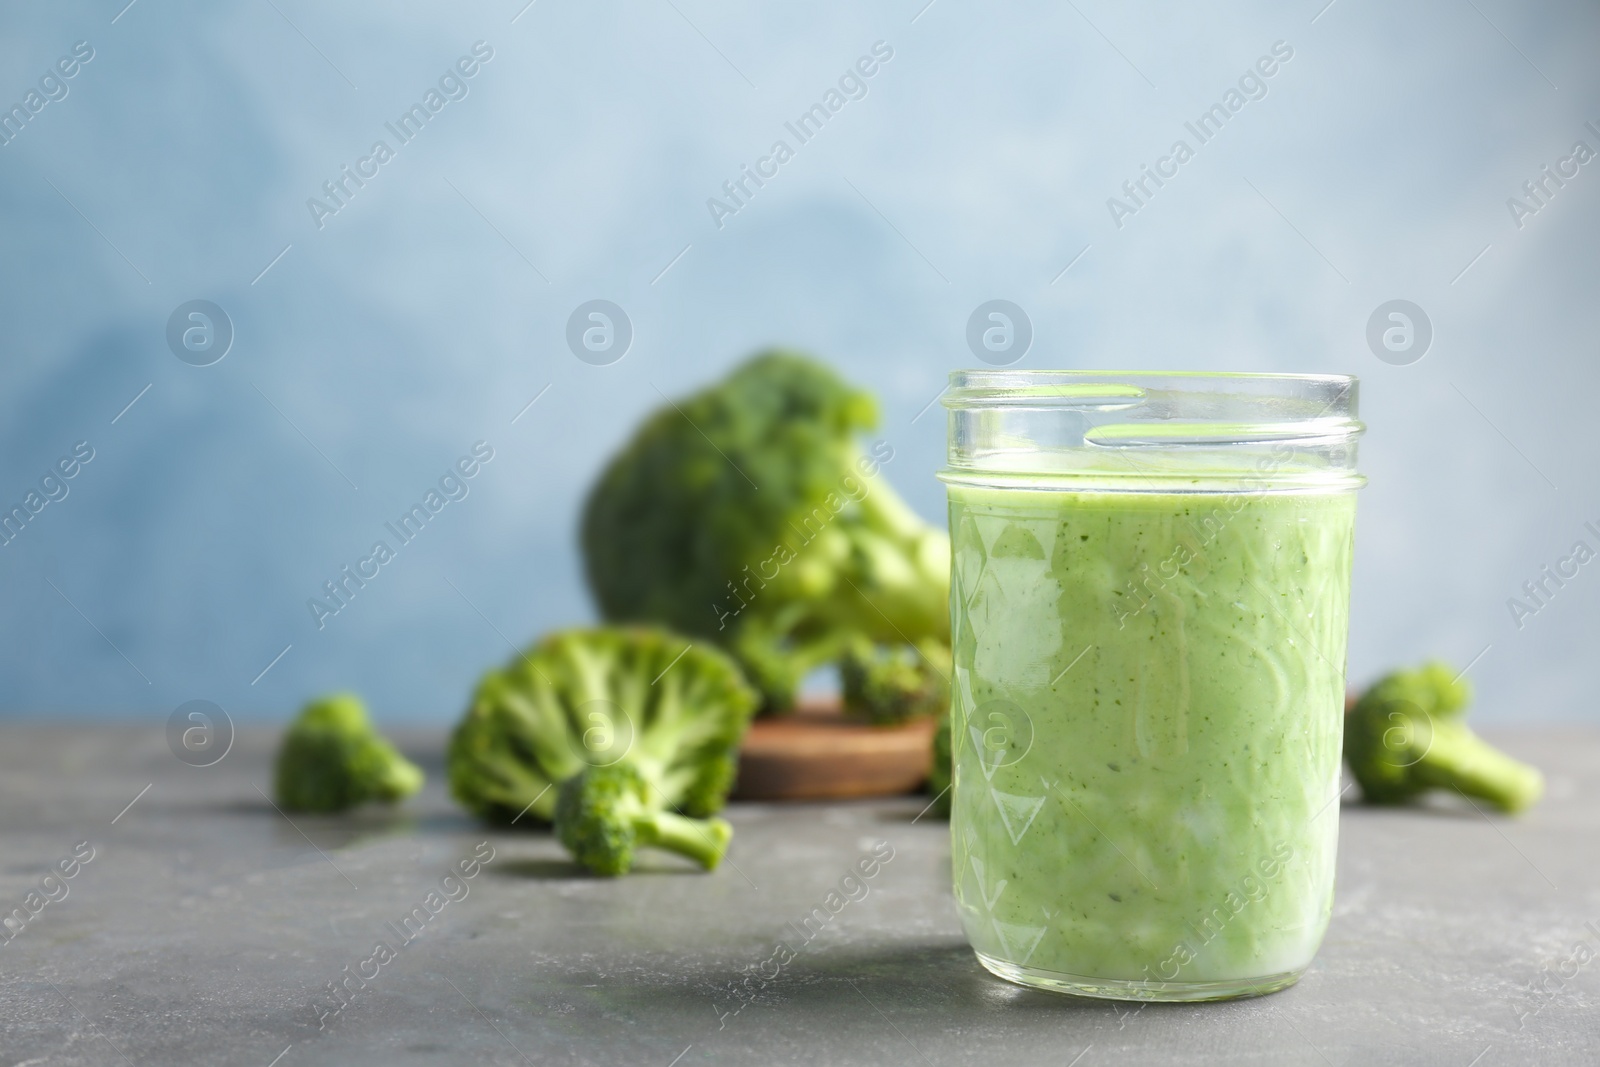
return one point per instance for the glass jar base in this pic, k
(1120, 989)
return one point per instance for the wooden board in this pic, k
(814, 753)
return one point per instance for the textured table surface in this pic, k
(207, 926)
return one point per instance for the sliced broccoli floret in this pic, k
(604, 813)
(1406, 736)
(333, 759)
(587, 698)
(749, 514)
(888, 684)
(939, 778)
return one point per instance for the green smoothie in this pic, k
(1147, 714)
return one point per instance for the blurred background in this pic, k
(359, 339)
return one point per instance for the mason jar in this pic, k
(1149, 608)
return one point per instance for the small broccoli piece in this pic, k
(605, 812)
(939, 778)
(585, 698)
(750, 515)
(888, 684)
(1406, 736)
(333, 759)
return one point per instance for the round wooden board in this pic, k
(814, 753)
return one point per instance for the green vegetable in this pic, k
(939, 778)
(889, 684)
(1406, 736)
(606, 812)
(749, 514)
(333, 759)
(588, 698)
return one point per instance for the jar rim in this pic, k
(1153, 428)
(992, 385)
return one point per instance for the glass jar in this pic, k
(1149, 605)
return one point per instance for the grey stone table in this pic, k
(206, 928)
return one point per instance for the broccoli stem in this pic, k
(926, 547)
(1462, 760)
(885, 510)
(901, 584)
(703, 840)
(400, 778)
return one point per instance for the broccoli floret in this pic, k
(605, 812)
(750, 515)
(889, 684)
(939, 777)
(585, 698)
(333, 759)
(1406, 736)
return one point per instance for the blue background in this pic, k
(428, 312)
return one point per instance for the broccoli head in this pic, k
(939, 778)
(674, 711)
(332, 759)
(888, 684)
(1406, 736)
(604, 813)
(749, 514)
